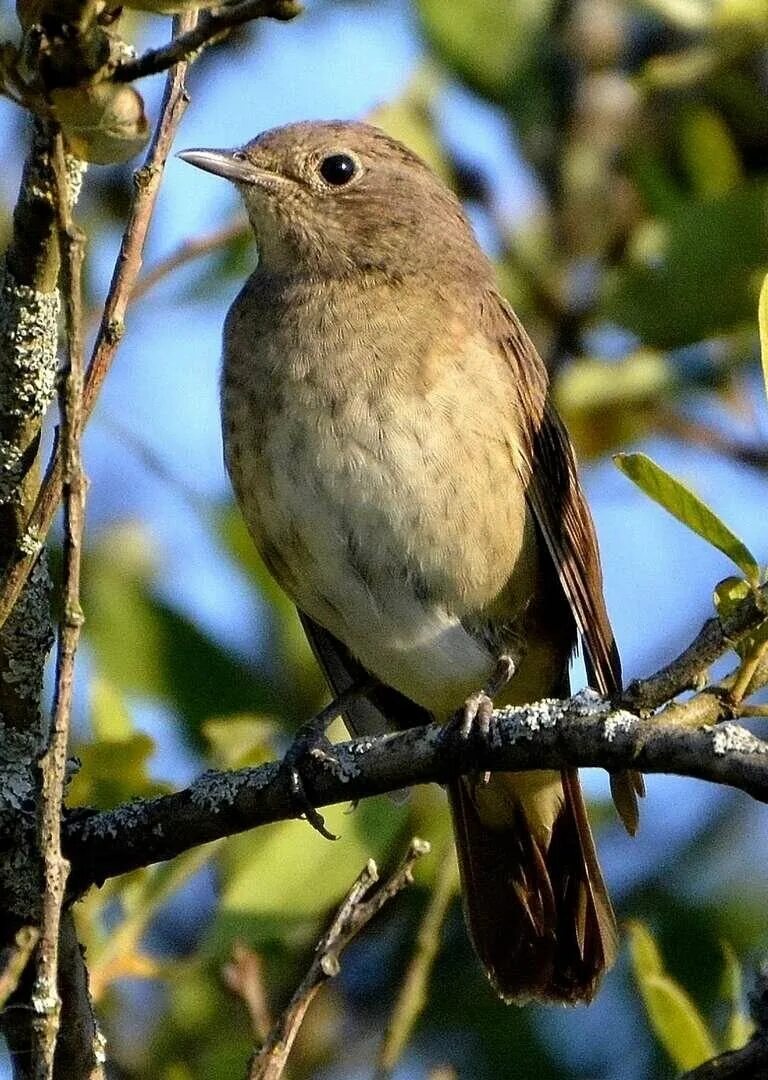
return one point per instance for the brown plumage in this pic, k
(390, 438)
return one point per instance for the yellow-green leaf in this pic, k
(740, 1027)
(674, 1018)
(709, 152)
(762, 319)
(646, 958)
(688, 508)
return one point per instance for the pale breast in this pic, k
(375, 468)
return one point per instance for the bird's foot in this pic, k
(473, 719)
(310, 742)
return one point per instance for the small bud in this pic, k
(104, 123)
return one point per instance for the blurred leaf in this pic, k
(237, 741)
(609, 404)
(488, 43)
(109, 716)
(113, 772)
(740, 1026)
(145, 647)
(672, 1015)
(409, 119)
(686, 14)
(688, 508)
(294, 670)
(709, 153)
(103, 122)
(697, 282)
(277, 881)
(114, 764)
(762, 318)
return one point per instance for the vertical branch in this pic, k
(54, 761)
(147, 184)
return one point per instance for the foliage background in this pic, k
(613, 158)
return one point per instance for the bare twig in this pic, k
(54, 761)
(14, 959)
(358, 908)
(413, 993)
(146, 186)
(687, 671)
(211, 28)
(244, 976)
(697, 433)
(187, 252)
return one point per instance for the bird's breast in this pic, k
(376, 471)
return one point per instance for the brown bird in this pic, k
(390, 438)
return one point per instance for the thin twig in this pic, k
(53, 763)
(413, 992)
(127, 268)
(15, 959)
(211, 29)
(697, 433)
(687, 671)
(358, 908)
(244, 975)
(187, 252)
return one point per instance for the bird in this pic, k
(391, 439)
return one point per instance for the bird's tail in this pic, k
(535, 901)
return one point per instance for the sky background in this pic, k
(342, 61)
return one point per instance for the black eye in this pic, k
(338, 169)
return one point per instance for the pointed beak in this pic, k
(230, 164)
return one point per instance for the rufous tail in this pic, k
(535, 901)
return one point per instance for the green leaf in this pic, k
(696, 278)
(672, 1015)
(142, 646)
(762, 319)
(409, 119)
(688, 508)
(710, 155)
(276, 882)
(488, 43)
(240, 740)
(740, 1028)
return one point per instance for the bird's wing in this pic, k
(555, 496)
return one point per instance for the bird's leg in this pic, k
(310, 741)
(476, 712)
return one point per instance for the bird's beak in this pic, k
(230, 164)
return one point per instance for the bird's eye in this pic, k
(338, 169)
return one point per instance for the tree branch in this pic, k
(688, 670)
(53, 763)
(211, 29)
(358, 908)
(582, 731)
(146, 186)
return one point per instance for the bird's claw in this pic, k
(475, 715)
(309, 743)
